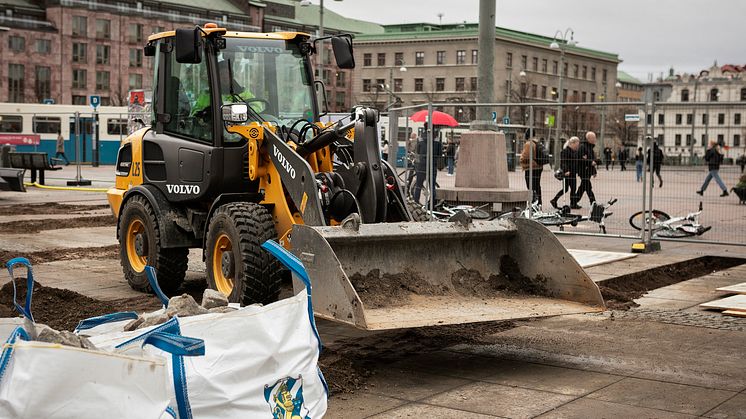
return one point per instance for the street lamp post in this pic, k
(603, 118)
(562, 45)
(391, 88)
(509, 91)
(306, 3)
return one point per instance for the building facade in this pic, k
(691, 109)
(441, 66)
(629, 89)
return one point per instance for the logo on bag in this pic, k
(285, 399)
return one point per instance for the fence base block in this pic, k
(642, 247)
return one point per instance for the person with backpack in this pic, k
(533, 159)
(714, 158)
(569, 170)
(586, 169)
(657, 162)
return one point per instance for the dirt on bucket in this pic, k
(378, 290)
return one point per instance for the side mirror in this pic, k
(187, 46)
(342, 46)
(235, 112)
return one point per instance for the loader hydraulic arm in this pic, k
(326, 137)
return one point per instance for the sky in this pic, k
(650, 36)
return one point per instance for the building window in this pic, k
(341, 81)
(721, 119)
(677, 140)
(721, 139)
(102, 54)
(79, 100)
(440, 84)
(419, 58)
(340, 100)
(418, 85)
(593, 73)
(103, 29)
(11, 123)
(135, 81)
(714, 94)
(102, 80)
(116, 126)
(575, 70)
(689, 119)
(534, 90)
(604, 73)
(535, 64)
(15, 83)
(460, 81)
(544, 63)
(440, 57)
(79, 52)
(46, 124)
(583, 97)
(367, 60)
(135, 57)
(688, 139)
(524, 62)
(593, 97)
(705, 119)
(743, 94)
(16, 43)
(554, 93)
(43, 83)
(543, 92)
(398, 58)
(509, 60)
(366, 85)
(134, 33)
(737, 119)
(685, 95)
(80, 26)
(380, 84)
(398, 85)
(704, 140)
(381, 59)
(43, 46)
(660, 119)
(585, 72)
(555, 67)
(461, 56)
(736, 140)
(656, 96)
(473, 82)
(79, 79)
(475, 56)
(678, 119)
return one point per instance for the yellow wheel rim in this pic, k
(137, 262)
(223, 248)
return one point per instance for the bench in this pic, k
(12, 179)
(32, 161)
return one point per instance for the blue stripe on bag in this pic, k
(26, 311)
(171, 326)
(92, 322)
(18, 332)
(294, 264)
(153, 281)
(171, 412)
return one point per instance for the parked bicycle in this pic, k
(562, 217)
(665, 226)
(444, 211)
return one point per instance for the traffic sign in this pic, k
(494, 116)
(95, 101)
(632, 117)
(549, 121)
(506, 120)
(48, 101)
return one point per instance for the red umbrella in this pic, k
(439, 118)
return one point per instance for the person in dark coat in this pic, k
(586, 168)
(657, 163)
(569, 167)
(533, 159)
(607, 157)
(714, 158)
(639, 163)
(623, 156)
(421, 165)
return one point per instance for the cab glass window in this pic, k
(188, 100)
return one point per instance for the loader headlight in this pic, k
(235, 112)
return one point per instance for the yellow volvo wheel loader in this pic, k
(235, 155)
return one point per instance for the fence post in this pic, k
(430, 158)
(393, 139)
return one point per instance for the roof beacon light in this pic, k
(210, 25)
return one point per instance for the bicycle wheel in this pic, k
(479, 214)
(638, 220)
(556, 221)
(672, 234)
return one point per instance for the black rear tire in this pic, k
(237, 266)
(637, 219)
(170, 264)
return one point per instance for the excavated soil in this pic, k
(106, 252)
(348, 368)
(391, 289)
(620, 292)
(48, 208)
(35, 226)
(62, 309)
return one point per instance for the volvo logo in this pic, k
(283, 161)
(183, 189)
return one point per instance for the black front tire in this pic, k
(254, 274)
(418, 211)
(170, 264)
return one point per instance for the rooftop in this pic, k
(309, 16)
(424, 31)
(623, 77)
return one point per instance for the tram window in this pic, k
(46, 124)
(11, 123)
(116, 127)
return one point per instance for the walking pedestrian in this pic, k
(421, 166)
(714, 158)
(411, 147)
(569, 168)
(607, 157)
(586, 169)
(450, 155)
(385, 150)
(533, 159)
(639, 162)
(657, 162)
(623, 156)
(741, 161)
(61, 148)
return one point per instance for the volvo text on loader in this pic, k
(235, 155)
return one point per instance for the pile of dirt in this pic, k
(48, 208)
(348, 368)
(620, 292)
(62, 309)
(35, 226)
(106, 252)
(378, 290)
(471, 283)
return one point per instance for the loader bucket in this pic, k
(402, 275)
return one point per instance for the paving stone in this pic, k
(687, 317)
(733, 408)
(568, 381)
(417, 410)
(499, 400)
(664, 303)
(359, 405)
(410, 385)
(665, 396)
(451, 364)
(590, 408)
